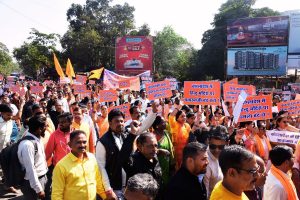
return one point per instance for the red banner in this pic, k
(133, 54)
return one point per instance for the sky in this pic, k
(189, 18)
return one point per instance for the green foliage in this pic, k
(93, 29)
(7, 66)
(144, 30)
(172, 53)
(36, 54)
(210, 59)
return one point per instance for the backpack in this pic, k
(11, 167)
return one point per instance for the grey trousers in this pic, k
(28, 192)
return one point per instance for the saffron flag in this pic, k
(95, 74)
(69, 70)
(58, 68)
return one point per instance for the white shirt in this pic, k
(34, 163)
(213, 174)
(144, 103)
(145, 124)
(273, 189)
(65, 105)
(101, 160)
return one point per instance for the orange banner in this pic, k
(36, 89)
(108, 95)
(202, 92)
(158, 90)
(293, 107)
(256, 108)
(232, 91)
(81, 79)
(78, 89)
(124, 108)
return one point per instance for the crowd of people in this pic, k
(73, 147)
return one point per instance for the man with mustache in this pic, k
(240, 171)
(32, 158)
(188, 182)
(113, 148)
(77, 176)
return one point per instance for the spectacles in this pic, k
(250, 171)
(214, 146)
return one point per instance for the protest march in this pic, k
(112, 111)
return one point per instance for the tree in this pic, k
(7, 66)
(36, 55)
(143, 30)
(172, 53)
(210, 59)
(90, 40)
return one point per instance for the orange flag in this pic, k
(69, 70)
(58, 68)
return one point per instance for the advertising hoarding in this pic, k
(262, 31)
(257, 61)
(133, 54)
(294, 42)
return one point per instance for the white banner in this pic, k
(286, 137)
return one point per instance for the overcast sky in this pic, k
(189, 18)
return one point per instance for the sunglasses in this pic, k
(214, 146)
(285, 122)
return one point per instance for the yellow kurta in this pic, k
(221, 193)
(75, 179)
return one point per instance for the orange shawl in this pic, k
(285, 182)
(260, 146)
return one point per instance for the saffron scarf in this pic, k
(260, 145)
(285, 182)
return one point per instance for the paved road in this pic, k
(4, 195)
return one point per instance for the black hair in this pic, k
(115, 113)
(280, 153)
(178, 114)
(186, 109)
(282, 112)
(143, 137)
(244, 124)
(191, 150)
(5, 108)
(144, 183)
(66, 115)
(75, 133)
(218, 133)
(36, 122)
(35, 106)
(190, 114)
(233, 157)
(278, 120)
(136, 103)
(131, 109)
(157, 121)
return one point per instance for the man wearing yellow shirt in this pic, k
(240, 171)
(79, 124)
(76, 176)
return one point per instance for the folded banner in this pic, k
(286, 137)
(202, 92)
(158, 90)
(293, 107)
(111, 80)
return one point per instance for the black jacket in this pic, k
(185, 185)
(115, 157)
(138, 163)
